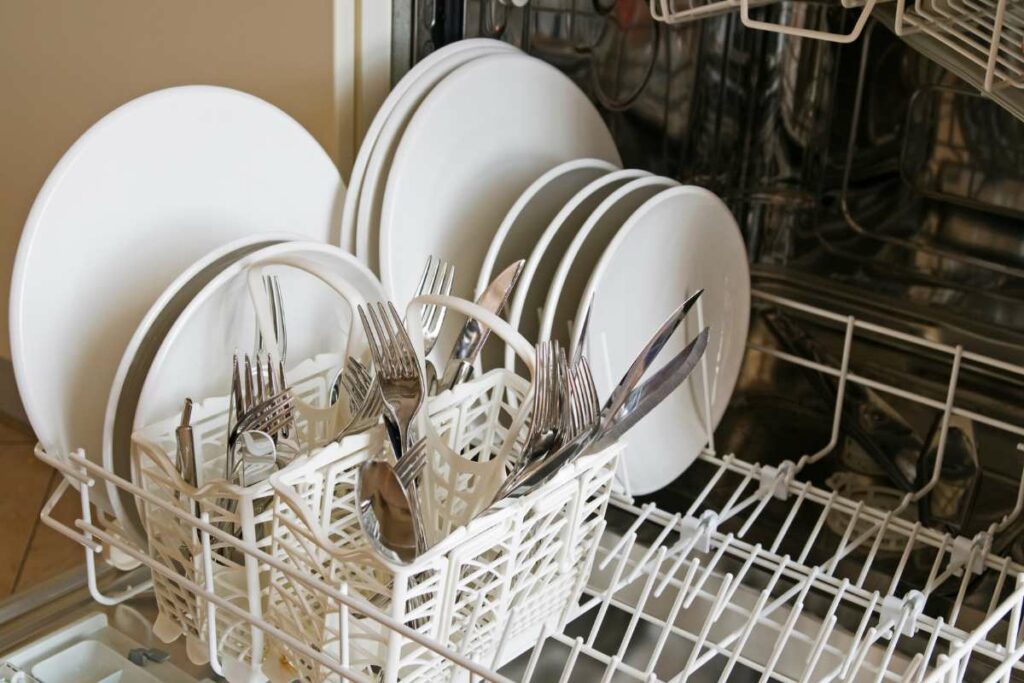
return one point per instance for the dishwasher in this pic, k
(857, 515)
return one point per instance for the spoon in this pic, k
(388, 507)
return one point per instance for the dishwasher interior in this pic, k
(857, 513)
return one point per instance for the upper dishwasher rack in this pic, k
(762, 573)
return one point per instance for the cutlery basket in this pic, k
(497, 576)
(176, 544)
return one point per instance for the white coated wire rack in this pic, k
(988, 33)
(683, 11)
(704, 592)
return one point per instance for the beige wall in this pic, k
(65, 63)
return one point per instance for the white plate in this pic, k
(135, 363)
(680, 241)
(374, 176)
(194, 359)
(527, 306)
(525, 222)
(478, 140)
(585, 250)
(139, 197)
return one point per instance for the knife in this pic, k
(473, 335)
(651, 393)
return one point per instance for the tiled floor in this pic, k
(30, 552)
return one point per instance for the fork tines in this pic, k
(583, 397)
(390, 345)
(437, 278)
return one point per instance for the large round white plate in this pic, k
(680, 241)
(585, 250)
(194, 359)
(525, 223)
(423, 69)
(138, 355)
(371, 192)
(139, 197)
(476, 142)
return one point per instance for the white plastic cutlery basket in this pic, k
(246, 512)
(490, 576)
(510, 571)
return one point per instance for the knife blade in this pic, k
(473, 335)
(651, 393)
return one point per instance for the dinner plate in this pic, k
(194, 358)
(374, 175)
(146, 191)
(476, 142)
(584, 251)
(135, 362)
(525, 222)
(527, 304)
(682, 240)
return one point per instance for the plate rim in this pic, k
(347, 230)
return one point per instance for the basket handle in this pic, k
(854, 33)
(265, 317)
(499, 327)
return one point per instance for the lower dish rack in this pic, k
(732, 585)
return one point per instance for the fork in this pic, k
(583, 398)
(365, 402)
(273, 289)
(544, 425)
(398, 372)
(254, 401)
(581, 417)
(437, 278)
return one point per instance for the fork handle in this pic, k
(395, 436)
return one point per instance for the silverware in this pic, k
(627, 404)
(621, 393)
(473, 335)
(582, 399)
(388, 507)
(546, 415)
(365, 402)
(273, 290)
(259, 402)
(186, 452)
(648, 395)
(398, 371)
(438, 277)
(579, 422)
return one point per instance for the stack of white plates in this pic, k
(631, 247)
(460, 137)
(483, 156)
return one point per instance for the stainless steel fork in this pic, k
(401, 383)
(546, 417)
(273, 290)
(365, 402)
(437, 279)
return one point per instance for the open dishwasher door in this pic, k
(56, 632)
